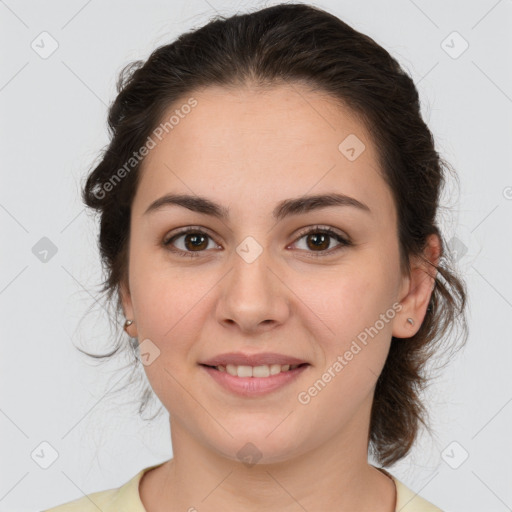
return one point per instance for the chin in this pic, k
(253, 446)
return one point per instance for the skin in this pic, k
(248, 149)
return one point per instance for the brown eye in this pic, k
(193, 241)
(189, 241)
(318, 240)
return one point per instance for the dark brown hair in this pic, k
(297, 43)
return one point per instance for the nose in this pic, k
(253, 297)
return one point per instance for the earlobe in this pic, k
(127, 310)
(126, 325)
(418, 290)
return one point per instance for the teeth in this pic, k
(275, 368)
(244, 371)
(260, 371)
(264, 370)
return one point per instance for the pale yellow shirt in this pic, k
(127, 499)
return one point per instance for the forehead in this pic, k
(263, 145)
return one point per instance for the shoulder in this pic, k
(409, 501)
(125, 498)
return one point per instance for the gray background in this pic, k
(53, 125)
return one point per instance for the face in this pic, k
(265, 278)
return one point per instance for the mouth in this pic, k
(261, 371)
(252, 382)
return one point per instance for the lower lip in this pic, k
(253, 386)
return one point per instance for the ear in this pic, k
(417, 289)
(126, 301)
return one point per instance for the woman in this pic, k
(268, 212)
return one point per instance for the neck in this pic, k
(333, 477)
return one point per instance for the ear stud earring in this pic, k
(127, 324)
(411, 321)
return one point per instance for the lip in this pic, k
(254, 386)
(239, 358)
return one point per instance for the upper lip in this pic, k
(238, 358)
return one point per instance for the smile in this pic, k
(263, 370)
(254, 381)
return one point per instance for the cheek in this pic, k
(354, 336)
(171, 307)
(165, 305)
(349, 300)
(168, 309)
(161, 293)
(354, 315)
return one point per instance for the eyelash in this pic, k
(316, 230)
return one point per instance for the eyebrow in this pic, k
(285, 208)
